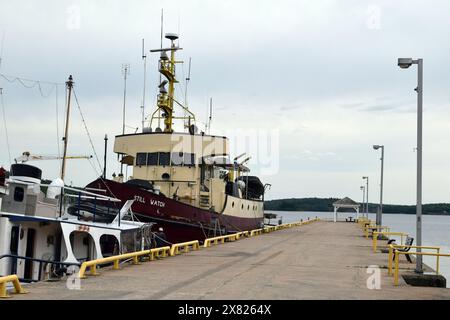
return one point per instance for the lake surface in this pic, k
(435, 230)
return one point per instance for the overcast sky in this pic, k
(320, 76)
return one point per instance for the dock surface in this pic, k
(321, 260)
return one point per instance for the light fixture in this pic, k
(405, 63)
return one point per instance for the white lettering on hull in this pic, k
(155, 203)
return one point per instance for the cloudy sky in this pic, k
(319, 77)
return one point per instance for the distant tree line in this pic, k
(326, 204)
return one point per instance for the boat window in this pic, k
(177, 158)
(109, 245)
(164, 158)
(189, 159)
(18, 194)
(141, 159)
(152, 159)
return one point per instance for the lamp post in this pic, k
(364, 197)
(405, 63)
(367, 195)
(380, 208)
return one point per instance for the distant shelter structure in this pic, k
(345, 203)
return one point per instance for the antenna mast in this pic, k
(185, 94)
(144, 57)
(69, 86)
(125, 72)
(161, 45)
(210, 115)
(1, 48)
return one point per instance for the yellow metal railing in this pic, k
(92, 264)
(175, 249)
(15, 281)
(269, 229)
(363, 221)
(392, 248)
(255, 232)
(230, 237)
(375, 228)
(375, 235)
(398, 253)
(242, 234)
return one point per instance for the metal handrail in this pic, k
(374, 228)
(397, 253)
(375, 235)
(40, 261)
(392, 247)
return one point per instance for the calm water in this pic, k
(435, 230)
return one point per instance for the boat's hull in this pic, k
(181, 222)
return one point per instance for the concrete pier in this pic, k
(321, 260)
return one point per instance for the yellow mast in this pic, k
(167, 68)
(166, 98)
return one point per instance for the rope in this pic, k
(87, 131)
(57, 128)
(136, 216)
(92, 165)
(22, 81)
(6, 128)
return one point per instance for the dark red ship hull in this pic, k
(181, 222)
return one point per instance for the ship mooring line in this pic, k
(87, 130)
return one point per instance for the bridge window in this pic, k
(152, 159)
(19, 194)
(164, 158)
(189, 159)
(141, 159)
(177, 158)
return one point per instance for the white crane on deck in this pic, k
(27, 156)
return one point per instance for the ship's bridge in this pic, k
(166, 148)
(176, 163)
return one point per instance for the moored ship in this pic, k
(184, 181)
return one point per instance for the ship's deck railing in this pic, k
(375, 235)
(15, 281)
(397, 254)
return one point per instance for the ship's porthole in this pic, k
(248, 207)
(242, 206)
(232, 205)
(165, 176)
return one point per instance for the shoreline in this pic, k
(423, 213)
